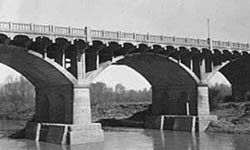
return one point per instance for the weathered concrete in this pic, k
(172, 122)
(61, 120)
(204, 121)
(179, 122)
(172, 85)
(171, 100)
(64, 133)
(203, 100)
(238, 72)
(54, 104)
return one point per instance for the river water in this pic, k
(139, 139)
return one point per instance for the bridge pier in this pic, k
(170, 112)
(203, 117)
(171, 100)
(83, 130)
(64, 120)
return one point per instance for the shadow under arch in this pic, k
(169, 79)
(49, 79)
(237, 72)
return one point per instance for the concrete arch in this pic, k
(169, 79)
(215, 70)
(41, 72)
(225, 64)
(50, 80)
(237, 72)
(93, 74)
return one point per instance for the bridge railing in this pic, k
(41, 28)
(111, 35)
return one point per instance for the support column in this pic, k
(81, 106)
(202, 90)
(204, 117)
(97, 59)
(63, 59)
(81, 67)
(45, 53)
(83, 131)
(203, 100)
(191, 64)
(203, 71)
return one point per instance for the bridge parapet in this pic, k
(42, 30)
(33, 30)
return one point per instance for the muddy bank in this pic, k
(121, 115)
(232, 118)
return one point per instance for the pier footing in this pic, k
(64, 133)
(179, 122)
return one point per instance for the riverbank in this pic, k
(232, 118)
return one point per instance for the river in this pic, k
(139, 139)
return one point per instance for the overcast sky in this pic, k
(229, 18)
(186, 18)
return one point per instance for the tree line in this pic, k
(100, 94)
(17, 96)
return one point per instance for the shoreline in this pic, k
(233, 118)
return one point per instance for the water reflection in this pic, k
(198, 141)
(139, 139)
(10, 144)
(172, 140)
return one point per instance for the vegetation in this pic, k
(17, 98)
(101, 94)
(219, 93)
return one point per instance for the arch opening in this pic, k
(17, 99)
(220, 90)
(53, 84)
(172, 85)
(119, 92)
(237, 72)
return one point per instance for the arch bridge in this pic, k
(61, 62)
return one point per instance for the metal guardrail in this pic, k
(116, 36)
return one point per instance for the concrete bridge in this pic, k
(61, 62)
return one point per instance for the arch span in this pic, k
(172, 83)
(238, 74)
(52, 82)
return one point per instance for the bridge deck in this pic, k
(88, 35)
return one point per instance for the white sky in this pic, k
(187, 18)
